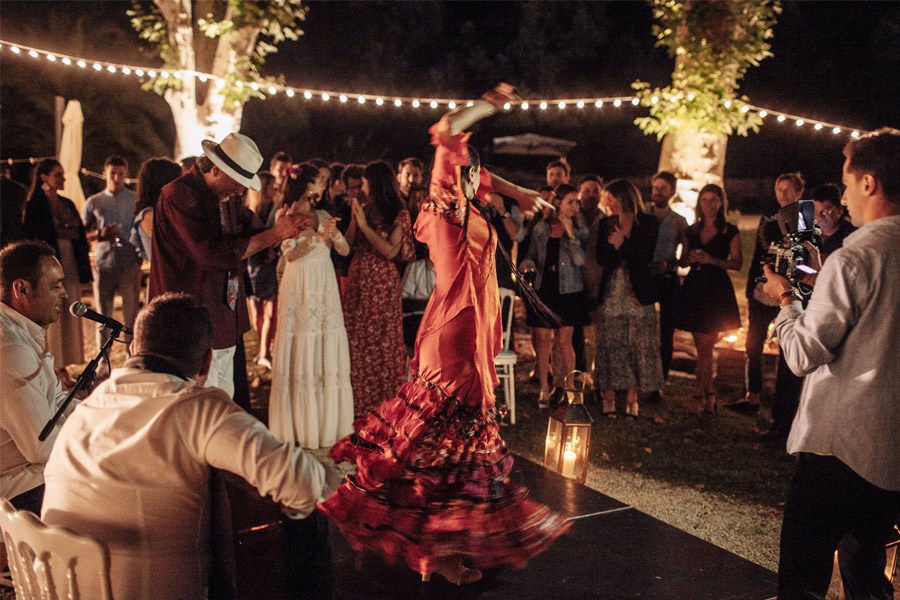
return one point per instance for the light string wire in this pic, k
(380, 100)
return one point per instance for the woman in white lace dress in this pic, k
(311, 403)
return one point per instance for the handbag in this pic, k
(418, 280)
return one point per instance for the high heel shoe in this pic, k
(544, 399)
(609, 408)
(453, 571)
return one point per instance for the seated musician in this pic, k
(131, 466)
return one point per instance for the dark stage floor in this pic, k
(612, 551)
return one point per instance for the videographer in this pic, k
(846, 486)
(762, 311)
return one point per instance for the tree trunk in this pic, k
(696, 158)
(194, 123)
(200, 116)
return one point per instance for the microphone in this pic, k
(79, 309)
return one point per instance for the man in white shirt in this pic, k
(846, 488)
(32, 296)
(131, 467)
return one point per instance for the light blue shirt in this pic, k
(671, 230)
(847, 343)
(102, 210)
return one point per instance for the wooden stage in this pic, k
(613, 551)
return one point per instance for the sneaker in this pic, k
(748, 405)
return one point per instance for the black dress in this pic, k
(707, 303)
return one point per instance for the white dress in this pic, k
(311, 403)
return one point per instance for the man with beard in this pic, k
(664, 268)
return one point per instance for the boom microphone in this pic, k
(79, 309)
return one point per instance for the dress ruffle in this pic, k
(432, 482)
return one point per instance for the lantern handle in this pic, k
(574, 373)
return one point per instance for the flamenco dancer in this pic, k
(432, 483)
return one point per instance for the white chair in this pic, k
(52, 562)
(505, 362)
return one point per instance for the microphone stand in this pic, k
(86, 378)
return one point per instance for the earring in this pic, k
(45, 186)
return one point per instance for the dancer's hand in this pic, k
(541, 204)
(501, 94)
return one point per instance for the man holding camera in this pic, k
(762, 311)
(846, 487)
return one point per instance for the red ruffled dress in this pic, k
(432, 476)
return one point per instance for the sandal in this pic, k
(544, 399)
(631, 410)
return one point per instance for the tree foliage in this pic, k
(249, 30)
(713, 44)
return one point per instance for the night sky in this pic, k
(834, 61)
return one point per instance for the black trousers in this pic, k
(830, 506)
(788, 388)
(758, 318)
(667, 288)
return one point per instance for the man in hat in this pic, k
(201, 236)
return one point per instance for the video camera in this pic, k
(788, 256)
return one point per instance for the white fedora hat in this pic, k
(238, 156)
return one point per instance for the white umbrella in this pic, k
(70, 152)
(532, 144)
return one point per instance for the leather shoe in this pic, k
(744, 406)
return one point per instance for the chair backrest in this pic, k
(507, 308)
(52, 562)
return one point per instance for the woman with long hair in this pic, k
(311, 404)
(627, 327)
(707, 305)
(380, 235)
(556, 253)
(432, 483)
(154, 174)
(53, 218)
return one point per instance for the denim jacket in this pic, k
(571, 255)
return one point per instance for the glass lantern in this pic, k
(568, 444)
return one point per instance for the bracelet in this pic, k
(788, 294)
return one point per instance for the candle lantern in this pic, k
(569, 433)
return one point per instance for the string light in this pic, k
(398, 101)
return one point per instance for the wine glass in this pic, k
(502, 411)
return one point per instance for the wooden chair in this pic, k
(52, 562)
(505, 362)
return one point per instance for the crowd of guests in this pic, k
(336, 306)
(327, 252)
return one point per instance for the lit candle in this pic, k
(569, 457)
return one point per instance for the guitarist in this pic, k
(131, 468)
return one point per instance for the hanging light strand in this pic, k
(415, 102)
